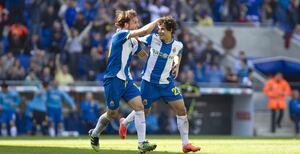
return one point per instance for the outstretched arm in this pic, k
(144, 30)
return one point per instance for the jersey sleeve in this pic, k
(147, 40)
(180, 49)
(122, 36)
(136, 46)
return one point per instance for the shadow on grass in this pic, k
(60, 150)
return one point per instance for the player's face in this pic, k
(133, 23)
(163, 33)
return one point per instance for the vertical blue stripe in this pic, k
(160, 63)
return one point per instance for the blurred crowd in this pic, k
(54, 112)
(67, 40)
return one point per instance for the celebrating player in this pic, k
(118, 81)
(160, 70)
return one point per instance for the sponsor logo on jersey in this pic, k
(174, 49)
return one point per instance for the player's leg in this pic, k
(172, 95)
(59, 121)
(12, 124)
(148, 96)
(113, 89)
(183, 125)
(132, 96)
(51, 122)
(3, 123)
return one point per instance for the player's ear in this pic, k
(126, 25)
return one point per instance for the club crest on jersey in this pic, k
(112, 103)
(174, 49)
(145, 101)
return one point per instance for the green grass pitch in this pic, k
(166, 144)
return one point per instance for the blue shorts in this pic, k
(115, 89)
(7, 116)
(55, 115)
(151, 92)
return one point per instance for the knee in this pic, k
(112, 114)
(181, 112)
(139, 107)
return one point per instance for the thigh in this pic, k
(11, 118)
(113, 89)
(58, 116)
(170, 92)
(131, 91)
(178, 106)
(149, 94)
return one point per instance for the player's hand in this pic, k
(175, 70)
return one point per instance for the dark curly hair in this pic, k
(169, 23)
(123, 17)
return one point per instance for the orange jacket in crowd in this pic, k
(277, 91)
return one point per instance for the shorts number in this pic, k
(175, 91)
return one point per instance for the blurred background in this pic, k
(233, 49)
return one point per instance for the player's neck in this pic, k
(167, 40)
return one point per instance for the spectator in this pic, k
(55, 98)
(8, 60)
(2, 70)
(294, 108)
(46, 75)
(230, 77)
(200, 72)
(3, 19)
(38, 108)
(244, 74)
(277, 89)
(214, 74)
(239, 62)
(296, 34)
(190, 91)
(17, 38)
(74, 46)
(32, 78)
(9, 101)
(204, 19)
(157, 9)
(16, 72)
(90, 110)
(210, 55)
(33, 44)
(62, 75)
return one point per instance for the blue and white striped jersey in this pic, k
(160, 60)
(120, 54)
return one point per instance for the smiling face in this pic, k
(163, 33)
(166, 28)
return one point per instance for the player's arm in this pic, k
(175, 68)
(69, 100)
(143, 31)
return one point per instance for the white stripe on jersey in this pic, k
(155, 53)
(150, 63)
(127, 50)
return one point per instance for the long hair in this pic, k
(123, 17)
